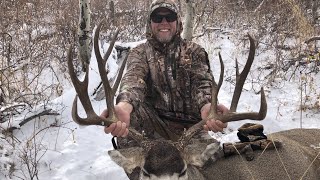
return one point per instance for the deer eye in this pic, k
(145, 173)
(183, 173)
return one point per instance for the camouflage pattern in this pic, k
(167, 84)
(169, 4)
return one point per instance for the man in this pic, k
(167, 85)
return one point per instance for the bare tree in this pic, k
(188, 20)
(84, 32)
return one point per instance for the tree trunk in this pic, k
(84, 33)
(112, 13)
(316, 12)
(188, 23)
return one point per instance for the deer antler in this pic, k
(232, 115)
(82, 89)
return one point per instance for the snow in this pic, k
(65, 151)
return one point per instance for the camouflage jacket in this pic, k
(173, 78)
(181, 87)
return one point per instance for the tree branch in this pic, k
(315, 38)
(43, 113)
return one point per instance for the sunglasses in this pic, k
(157, 18)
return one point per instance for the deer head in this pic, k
(162, 159)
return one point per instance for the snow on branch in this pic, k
(44, 112)
(16, 115)
(315, 38)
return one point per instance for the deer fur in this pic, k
(298, 158)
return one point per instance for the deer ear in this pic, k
(200, 157)
(128, 158)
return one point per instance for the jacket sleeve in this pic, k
(201, 77)
(133, 83)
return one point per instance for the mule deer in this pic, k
(298, 158)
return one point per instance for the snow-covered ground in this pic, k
(64, 151)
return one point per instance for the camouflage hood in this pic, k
(169, 4)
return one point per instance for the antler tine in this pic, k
(215, 90)
(117, 82)
(240, 78)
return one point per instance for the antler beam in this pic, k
(232, 115)
(81, 88)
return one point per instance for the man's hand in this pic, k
(119, 128)
(213, 124)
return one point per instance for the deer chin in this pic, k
(175, 176)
